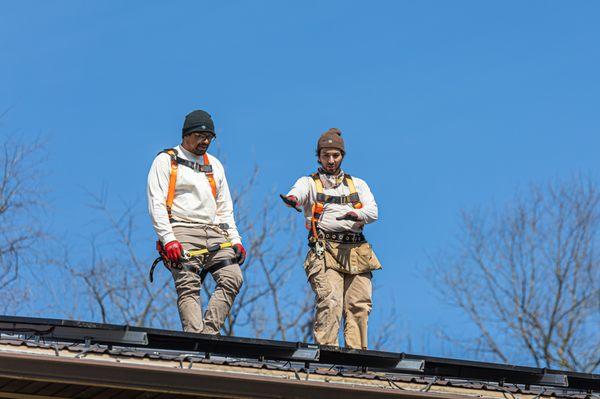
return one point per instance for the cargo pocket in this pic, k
(315, 273)
(312, 265)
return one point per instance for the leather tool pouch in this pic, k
(351, 258)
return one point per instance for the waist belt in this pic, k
(222, 226)
(343, 237)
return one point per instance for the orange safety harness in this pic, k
(175, 162)
(206, 168)
(322, 199)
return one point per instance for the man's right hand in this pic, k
(174, 250)
(291, 201)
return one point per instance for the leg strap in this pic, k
(216, 266)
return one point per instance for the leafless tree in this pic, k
(111, 283)
(528, 277)
(20, 230)
(268, 304)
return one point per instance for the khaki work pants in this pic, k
(339, 295)
(228, 281)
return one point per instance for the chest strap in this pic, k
(205, 168)
(322, 199)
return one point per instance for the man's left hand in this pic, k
(240, 253)
(353, 216)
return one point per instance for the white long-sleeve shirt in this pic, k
(306, 191)
(193, 202)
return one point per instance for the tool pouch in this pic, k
(351, 258)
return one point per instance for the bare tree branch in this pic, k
(20, 229)
(528, 276)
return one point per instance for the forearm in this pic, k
(368, 214)
(160, 220)
(301, 190)
(369, 211)
(225, 211)
(158, 182)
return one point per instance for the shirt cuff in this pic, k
(167, 238)
(362, 217)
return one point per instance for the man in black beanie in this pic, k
(191, 210)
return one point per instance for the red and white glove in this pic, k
(291, 201)
(240, 253)
(174, 250)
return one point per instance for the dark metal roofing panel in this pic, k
(112, 393)
(70, 391)
(90, 392)
(14, 385)
(34, 387)
(134, 379)
(187, 360)
(52, 389)
(4, 381)
(169, 345)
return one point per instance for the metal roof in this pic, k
(139, 362)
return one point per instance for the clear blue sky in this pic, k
(444, 105)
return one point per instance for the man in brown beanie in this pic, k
(340, 260)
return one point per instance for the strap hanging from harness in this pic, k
(322, 199)
(206, 168)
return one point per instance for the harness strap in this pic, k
(210, 176)
(172, 180)
(322, 199)
(206, 168)
(216, 266)
(198, 167)
(354, 198)
(317, 208)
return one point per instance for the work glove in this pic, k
(291, 201)
(240, 253)
(353, 216)
(174, 250)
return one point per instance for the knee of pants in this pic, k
(360, 308)
(326, 295)
(233, 283)
(188, 287)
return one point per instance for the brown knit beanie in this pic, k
(331, 139)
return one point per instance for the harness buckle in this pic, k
(320, 245)
(319, 249)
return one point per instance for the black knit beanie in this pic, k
(197, 121)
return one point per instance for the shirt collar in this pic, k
(189, 155)
(330, 181)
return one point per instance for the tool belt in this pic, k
(346, 252)
(343, 237)
(222, 226)
(194, 253)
